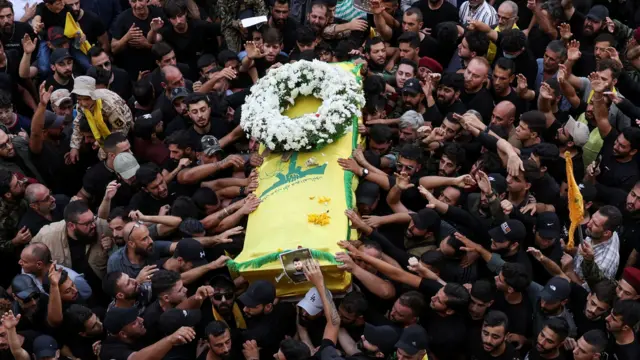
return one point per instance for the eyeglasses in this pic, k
(221, 296)
(48, 198)
(500, 17)
(137, 224)
(90, 222)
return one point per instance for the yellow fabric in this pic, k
(592, 92)
(98, 128)
(576, 208)
(237, 316)
(290, 192)
(71, 29)
(491, 52)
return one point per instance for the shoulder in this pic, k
(49, 231)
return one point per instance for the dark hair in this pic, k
(369, 244)
(411, 38)
(554, 85)
(41, 252)
(102, 76)
(433, 258)
(375, 103)
(112, 140)
(181, 139)
(536, 121)
(74, 209)
(109, 283)
(506, 64)
(75, 317)
(414, 301)
(414, 11)
(95, 51)
(491, 162)
(559, 326)
(293, 349)
(606, 37)
(483, 290)
(183, 207)
(557, 46)
(605, 291)
(496, 318)
(513, 40)
(373, 85)
(410, 63)
(163, 280)
(516, 276)
(6, 177)
(410, 152)
(147, 173)
(457, 297)
(144, 93)
(160, 50)
(380, 134)
(119, 212)
(305, 35)
(355, 303)
(455, 153)
(609, 64)
(224, 56)
(6, 5)
(632, 135)
(195, 97)
(478, 42)
(216, 328)
(204, 196)
(207, 60)
(452, 80)
(272, 36)
(5, 99)
(372, 41)
(174, 8)
(64, 275)
(613, 215)
(596, 338)
(628, 310)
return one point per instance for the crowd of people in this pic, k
(126, 180)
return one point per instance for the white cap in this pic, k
(85, 86)
(60, 95)
(578, 131)
(126, 165)
(312, 302)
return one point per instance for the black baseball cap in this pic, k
(412, 86)
(58, 55)
(177, 93)
(557, 289)
(510, 230)
(367, 193)
(144, 125)
(117, 318)
(44, 346)
(24, 286)
(384, 337)
(260, 292)
(173, 319)
(55, 35)
(191, 250)
(498, 183)
(548, 225)
(588, 191)
(413, 339)
(52, 120)
(598, 13)
(426, 219)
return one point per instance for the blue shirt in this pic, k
(118, 261)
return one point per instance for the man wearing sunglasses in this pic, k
(29, 302)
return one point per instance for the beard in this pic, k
(501, 252)
(84, 238)
(161, 135)
(144, 252)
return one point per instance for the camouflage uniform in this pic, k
(10, 215)
(115, 112)
(229, 10)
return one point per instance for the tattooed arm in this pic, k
(314, 275)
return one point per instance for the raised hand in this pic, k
(312, 272)
(522, 85)
(403, 181)
(546, 92)
(157, 24)
(45, 94)
(573, 50)
(565, 32)
(182, 336)
(28, 45)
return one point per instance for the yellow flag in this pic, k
(576, 208)
(71, 29)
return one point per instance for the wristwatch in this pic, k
(365, 172)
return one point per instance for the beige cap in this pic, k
(85, 86)
(578, 131)
(60, 95)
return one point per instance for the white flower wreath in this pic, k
(341, 96)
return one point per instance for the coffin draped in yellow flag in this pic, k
(309, 183)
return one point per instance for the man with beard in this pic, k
(224, 307)
(35, 261)
(494, 339)
(220, 341)
(148, 144)
(23, 338)
(181, 121)
(269, 57)
(83, 328)
(280, 20)
(139, 252)
(550, 340)
(475, 94)
(504, 72)
(375, 50)
(207, 120)
(128, 292)
(310, 321)
(12, 31)
(62, 68)
(44, 208)
(571, 137)
(29, 302)
(12, 208)
(155, 192)
(409, 124)
(376, 342)
(76, 242)
(318, 17)
(474, 44)
(412, 97)
(190, 38)
(90, 24)
(585, 29)
(126, 329)
(119, 81)
(448, 97)
(601, 245)
(554, 55)
(551, 303)
(621, 323)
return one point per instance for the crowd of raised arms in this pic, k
(126, 180)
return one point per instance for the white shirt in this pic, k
(18, 7)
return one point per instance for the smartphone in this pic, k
(598, 160)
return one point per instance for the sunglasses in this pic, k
(136, 225)
(34, 296)
(221, 296)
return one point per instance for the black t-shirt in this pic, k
(50, 164)
(510, 353)
(513, 98)
(431, 18)
(627, 352)
(262, 64)
(78, 252)
(13, 40)
(49, 18)
(114, 349)
(546, 190)
(51, 81)
(151, 315)
(219, 129)
(534, 355)
(200, 38)
(288, 32)
(34, 221)
(134, 60)
(12, 70)
(577, 304)
(553, 252)
(268, 330)
(520, 315)
(148, 204)
(95, 183)
(91, 26)
(614, 173)
(121, 83)
(481, 101)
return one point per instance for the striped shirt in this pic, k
(485, 13)
(347, 12)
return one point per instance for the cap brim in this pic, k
(408, 348)
(593, 17)
(62, 58)
(248, 301)
(549, 233)
(410, 91)
(497, 235)
(82, 92)
(45, 353)
(199, 262)
(26, 293)
(416, 221)
(60, 101)
(129, 173)
(367, 200)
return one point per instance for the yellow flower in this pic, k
(311, 197)
(321, 219)
(324, 200)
